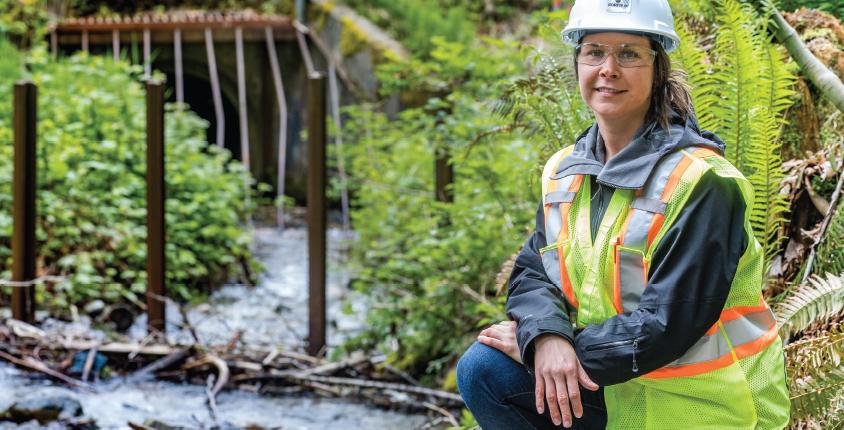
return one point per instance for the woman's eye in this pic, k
(597, 53)
(628, 54)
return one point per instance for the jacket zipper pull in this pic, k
(635, 365)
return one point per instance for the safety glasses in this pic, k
(594, 54)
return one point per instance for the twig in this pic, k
(331, 367)
(373, 384)
(186, 322)
(89, 362)
(222, 370)
(160, 364)
(38, 366)
(448, 416)
(212, 401)
(833, 205)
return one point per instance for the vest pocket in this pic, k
(629, 278)
(551, 255)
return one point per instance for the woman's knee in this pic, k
(486, 368)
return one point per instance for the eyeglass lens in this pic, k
(594, 54)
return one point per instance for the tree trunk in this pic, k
(824, 79)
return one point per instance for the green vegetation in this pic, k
(835, 7)
(91, 185)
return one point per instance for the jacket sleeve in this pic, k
(690, 277)
(533, 301)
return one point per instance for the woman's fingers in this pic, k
(551, 396)
(561, 384)
(584, 379)
(493, 342)
(573, 397)
(539, 391)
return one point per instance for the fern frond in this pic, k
(818, 300)
(763, 159)
(816, 398)
(691, 58)
(830, 253)
(737, 74)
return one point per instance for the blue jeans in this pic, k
(500, 394)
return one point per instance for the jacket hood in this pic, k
(631, 167)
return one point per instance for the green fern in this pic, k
(818, 300)
(741, 89)
(737, 70)
(818, 398)
(769, 205)
(816, 378)
(830, 253)
(692, 58)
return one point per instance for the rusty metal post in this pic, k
(316, 212)
(23, 203)
(156, 290)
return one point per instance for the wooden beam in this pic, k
(189, 36)
(280, 22)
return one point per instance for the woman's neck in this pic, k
(617, 134)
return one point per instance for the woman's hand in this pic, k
(558, 372)
(502, 336)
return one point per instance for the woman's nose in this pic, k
(610, 68)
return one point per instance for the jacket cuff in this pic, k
(530, 328)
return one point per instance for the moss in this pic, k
(352, 38)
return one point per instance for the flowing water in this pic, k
(270, 314)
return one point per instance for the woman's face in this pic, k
(613, 92)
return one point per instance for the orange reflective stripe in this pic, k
(742, 351)
(565, 281)
(691, 369)
(705, 153)
(740, 311)
(656, 224)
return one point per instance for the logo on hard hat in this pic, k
(618, 6)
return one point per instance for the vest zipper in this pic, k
(635, 365)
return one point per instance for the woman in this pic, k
(643, 276)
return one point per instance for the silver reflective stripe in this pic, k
(560, 196)
(551, 262)
(649, 205)
(740, 331)
(553, 222)
(631, 269)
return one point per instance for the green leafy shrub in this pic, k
(431, 266)
(91, 186)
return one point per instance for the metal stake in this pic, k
(316, 212)
(23, 203)
(156, 288)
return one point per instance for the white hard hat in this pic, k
(650, 17)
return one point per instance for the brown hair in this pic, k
(670, 91)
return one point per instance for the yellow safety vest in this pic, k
(733, 377)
